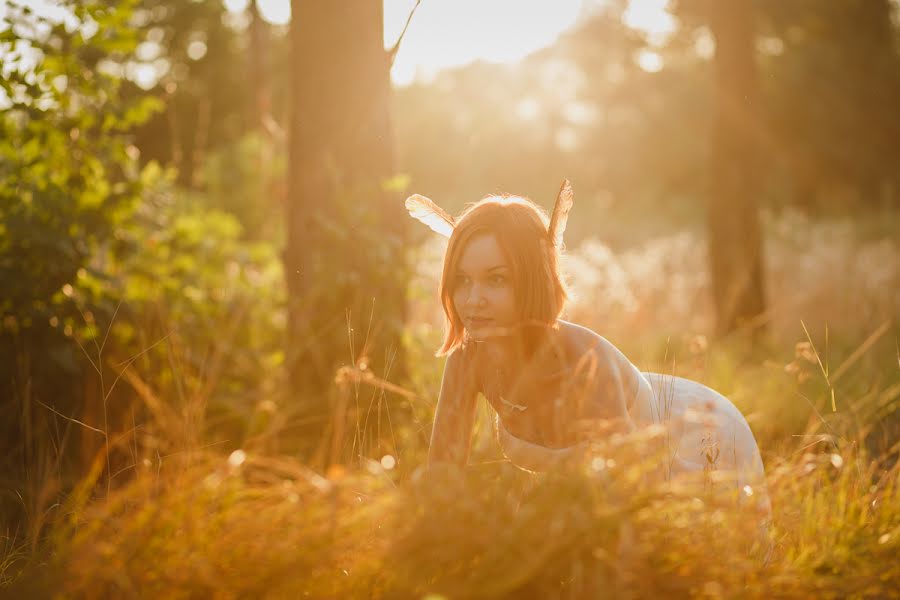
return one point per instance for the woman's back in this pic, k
(704, 432)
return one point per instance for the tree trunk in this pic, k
(343, 256)
(260, 104)
(735, 240)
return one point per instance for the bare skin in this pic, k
(574, 386)
(546, 397)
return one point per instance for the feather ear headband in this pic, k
(439, 221)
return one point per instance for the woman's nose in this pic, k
(476, 296)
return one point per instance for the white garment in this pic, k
(705, 431)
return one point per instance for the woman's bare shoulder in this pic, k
(609, 372)
(584, 340)
(458, 360)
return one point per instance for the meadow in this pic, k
(201, 223)
(818, 379)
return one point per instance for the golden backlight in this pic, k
(445, 33)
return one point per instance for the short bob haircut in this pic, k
(521, 229)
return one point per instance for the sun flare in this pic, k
(446, 34)
(449, 34)
(652, 17)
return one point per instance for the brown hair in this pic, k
(520, 227)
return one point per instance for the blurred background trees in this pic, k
(830, 58)
(211, 196)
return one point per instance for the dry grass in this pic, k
(257, 526)
(209, 522)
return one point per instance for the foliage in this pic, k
(195, 50)
(105, 265)
(69, 180)
(68, 175)
(246, 179)
(214, 300)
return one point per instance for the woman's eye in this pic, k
(461, 280)
(498, 279)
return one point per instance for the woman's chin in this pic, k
(483, 333)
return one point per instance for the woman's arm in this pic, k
(604, 371)
(455, 412)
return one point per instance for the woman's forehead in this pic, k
(482, 253)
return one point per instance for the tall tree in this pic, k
(735, 239)
(343, 256)
(261, 106)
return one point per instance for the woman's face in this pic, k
(483, 289)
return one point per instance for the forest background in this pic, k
(208, 280)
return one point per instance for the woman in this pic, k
(553, 384)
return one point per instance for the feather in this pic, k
(564, 201)
(426, 211)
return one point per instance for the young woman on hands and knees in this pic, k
(547, 378)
